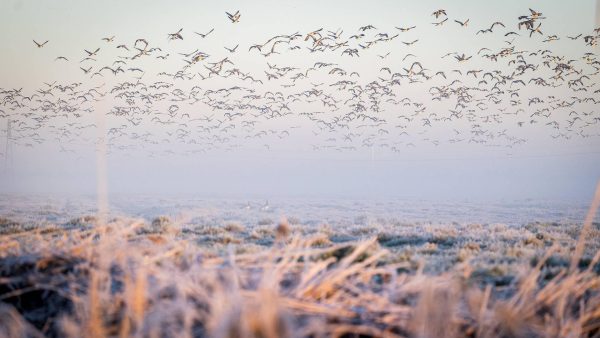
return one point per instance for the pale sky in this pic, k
(543, 167)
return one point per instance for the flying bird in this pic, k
(176, 36)
(234, 17)
(40, 45)
(205, 34)
(405, 29)
(439, 13)
(94, 53)
(439, 23)
(232, 50)
(462, 23)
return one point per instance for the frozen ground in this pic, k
(434, 235)
(296, 267)
(310, 211)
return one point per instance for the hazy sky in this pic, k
(543, 167)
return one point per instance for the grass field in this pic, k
(128, 277)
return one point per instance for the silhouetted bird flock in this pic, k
(209, 102)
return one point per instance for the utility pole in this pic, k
(8, 152)
(101, 165)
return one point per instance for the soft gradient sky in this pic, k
(543, 168)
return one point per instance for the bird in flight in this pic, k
(40, 45)
(535, 14)
(176, 35)
(439, 13)
(94, 53)
(439, 23)
(205, 34)
(234, 17)
(384, 56)
(536, 30)
(462, 23)
(405, 29)
(232, 50)
(364, 28)
(462, 58)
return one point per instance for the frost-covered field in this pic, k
(296, 267)
(309, 210)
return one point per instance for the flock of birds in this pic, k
(494, 97)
